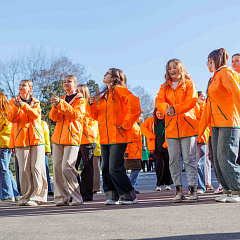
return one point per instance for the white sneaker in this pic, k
(62, 203)
(12, 199)
(128, 202)
(75, 203)
(200, 191)
(110, 202)
(219, 190)
(31, 203)
(158, 188)
(167, 187)
(233, 199)
(222, 198)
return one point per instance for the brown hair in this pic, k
(219, 56)
(86, 93)
(72, 77)
(182, 70)
(155, 116)
(236, 55)
(118, 78)
(30, 84)
(3, 105)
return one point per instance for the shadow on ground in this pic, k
(214, 236)
(148, 199)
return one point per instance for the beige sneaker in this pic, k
(193, 194)
(179, 195)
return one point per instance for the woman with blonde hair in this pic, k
(116, 112)
(176, 100)
(86, 150)
(222, 111)
(68, 113)
(8, 186)
(27, 138)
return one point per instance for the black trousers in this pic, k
(86, 152)
(115, 180)
(162, 168)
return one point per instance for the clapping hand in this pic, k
(170, 111)
(18, 101)
(54, 100)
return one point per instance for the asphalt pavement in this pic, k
(154, 217)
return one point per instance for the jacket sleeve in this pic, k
(13, 112)
(133, 105)
(32, 112)
(92, 109)
(146, 130)
(205, 120)
(190, 100)
(71, 112)
(160, 101)
(54, 114)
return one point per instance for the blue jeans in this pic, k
(8, 186)
(115, 180)
(134, 176)
(48, 176)
(225, 144)
(201, 167)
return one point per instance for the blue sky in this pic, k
(138, 37)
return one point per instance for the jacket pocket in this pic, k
(38, 133)
(18, 134)
(222, 112)
(169, 123)
(188, 122)
(118, 129)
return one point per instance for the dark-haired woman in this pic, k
(153, 128)
(116, 111)
(222, 111)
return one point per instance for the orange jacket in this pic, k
(147, 129)
(90, 132)
(134, 149)
(184, 123)
(223, 103)
(26, 129)
(69, 118)
(115, 109)
(199, 107)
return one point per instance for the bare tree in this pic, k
(146, 101)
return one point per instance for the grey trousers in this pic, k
(185, 148)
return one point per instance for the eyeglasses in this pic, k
(107, 73)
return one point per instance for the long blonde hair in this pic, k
(85, 92)
(3, 105)
(182, 70)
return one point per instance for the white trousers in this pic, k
(32, 173)
(65, 173)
